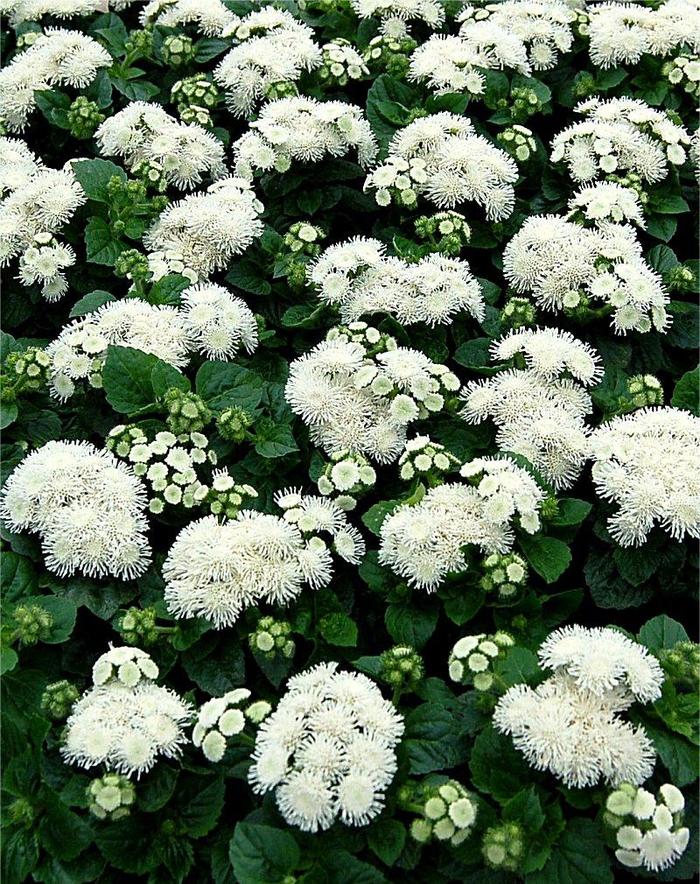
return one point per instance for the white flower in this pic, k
(328, 750)
(209, 17)
(431, 12)
(648, 463)
(86, 507)
(218, 323)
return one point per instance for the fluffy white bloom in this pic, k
(501, 47)
(303, 130)
(648, 463)
(79, 352)
(38, 204)
(273, 48)
(216, 322)
(570, 724)
(20, 11)
(424, 542)
(221, 718)
(86, 507)
(209, 17)
(654, 838)
(146, 135)
(56, 58)
(328, 750)
(361, 403)
(205, 230)
(558, 262)
(539, 414)
(216, 569)
(602, 660)
(441, 157)
(124, 725)
(620, 135)
(358, 278)
(607, 201)
(621, 33)
(431, 12)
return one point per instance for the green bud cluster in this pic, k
(634, 182)
(401, 667)
(349, 476)
(27, 39)
(110, 796)
(177, 50)
(195, 97)
(680, 279)
(472, 656)
(390, 54)
(187, 412)
(32, 624)
(518, 141)
(21, 813)
(584, 85)
(151, 174)
(281, 89)
(137, 626)
(519, 313)
(304, 238)
(57, 699)
(140, 41)
(684, 71)
(325, 6)
(446, 232)
(681, 663)
(132, 265)
(505, 574)
(523, 103)
(502, 847)
(643, 390)
(233, 424)
(27, 370)
(84, 117)
(447, 811)
(549, 508)
(271, 639)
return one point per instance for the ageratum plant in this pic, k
(350, 441)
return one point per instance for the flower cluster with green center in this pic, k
(428, 460)
(447, 811)
(473, 655)
(24, 371)
(177, 50)
(110, 796)
(221, 718)
(642, 390)
(518, 313)
(444, 232)
(518, 141)
(346, 478)
(684, 71)
(341, 63)
(195, 98)
(401, 667)
(504, 574)
(502, 847)
(272, 640)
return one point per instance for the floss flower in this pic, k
(221, 718)
(328, 750)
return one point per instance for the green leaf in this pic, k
(63, 612)
(273, 439)
(678, 755)
(579, 857)
(8, 660)
(548, 556)
(571, 511)
(474, 354)
(200, 803)
(63, 833)
(519, 665)
(225, 385)
(8, 414)
(341, 867)
(375, 515)
(101, 245)
(409, 624)
(246, 275)
(525, 808)
(386, 839)
(686, 393)
(432, 740)
(126, 378)
(90, 302)
(685, 329)
(662, 632)
(18, 577)
(20, 854)
(128, 845)
(261, 854)
(608, 588)
(94, 176)
(156, 788)
(165, 376)
(339, 629)
(497, 768)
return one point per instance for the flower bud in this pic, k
(502, 846)
(57, 699)
(32, 624)
(401, 667)
(110, 796)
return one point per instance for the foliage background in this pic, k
(200, 822)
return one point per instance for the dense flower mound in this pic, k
(125, 721)
(350, 440)
(649, 464)
(86, 507)
(570, 724)
(328, 750)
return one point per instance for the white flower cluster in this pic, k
(221, 718)
(149, 139)
(473, 655)
(649, 831)
(37, 203)
(544, 27)
(328, 750)
(648, 463)
(342, 62)
(216, 569)
(621, 33)
(425, 458)
(358, 391)
(448, 813)
(273, 48)
(425, 542)
(607, 201)
(201, 233)
(347, 476)
(569, 724)
(560, 263)
(538, 409)
(442, 158)
(56, 58)
(304, 130)
(210, 321)
(209, 17)
(620, 135)
(86, 507)
(360, 279)
(125, 721)
(19, 11)
(431, 12)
